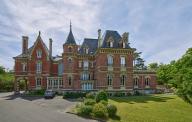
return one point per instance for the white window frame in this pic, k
(24, 67)
(147, 81)
(39, 53)
(39, 67)
(111, 44)
(123, 62)
(122, 80)
(109, 80)
(86, 64)
(110, 60)
(136, 82)
(38, 82)
(123, 44)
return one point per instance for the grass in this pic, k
(153, 108)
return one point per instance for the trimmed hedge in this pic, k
(74, 95)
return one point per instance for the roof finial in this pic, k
(70, 26)
(39, 33)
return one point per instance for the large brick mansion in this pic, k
(102, 63)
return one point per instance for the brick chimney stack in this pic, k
(24, 44)
(50, 48)
(99, 38)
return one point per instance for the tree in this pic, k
(179, 75)
(138, 62)
(153, 66)
(2, 70)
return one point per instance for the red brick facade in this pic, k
(82, 67)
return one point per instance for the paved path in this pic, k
(26, 109)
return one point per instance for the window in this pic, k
(38, 82)
(111, 44)
(87, 86)
(122, 61)
(122, 83)
(92, 64)
(110, 60)
(123, 44)
(61, 82)
(85, 76)
(69, 60)
(147, 81)
(80, 64)
(136, 81)
(38, 67)
(69, 80)
(70, 49)
(85, 64)
(39, 53)
(24, 68)
(109, 80)
(86, 50)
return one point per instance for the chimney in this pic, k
(99, 38)
(24, 44)
(50, 48)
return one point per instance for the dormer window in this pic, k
(123, 44)
(110, 42)
(39, 53)
(86, 50)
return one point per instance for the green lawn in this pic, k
(153, 108)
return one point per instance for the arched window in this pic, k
(86, 50)
(69, 80)
(69, 60)
(122, 83)
(123, 44)
(136, 81)
(39, 53)
(147, 80)
(70, 49)
(110, 60)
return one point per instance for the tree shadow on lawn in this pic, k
(21, 96)
(142, 99)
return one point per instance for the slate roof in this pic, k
(29, 51)
(91, 44)
(116, 37)
(70, 38)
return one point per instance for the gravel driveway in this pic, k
(36, 109)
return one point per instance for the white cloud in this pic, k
(51, 17)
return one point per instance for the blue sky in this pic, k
(161, 29)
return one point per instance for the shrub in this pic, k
(84, 110)
(137, 93)
(89, 102)
(90, 95)
(112, 109)
(100, 111)
(103, 102)
(119, 94)
(101, 95)
(73, 95)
